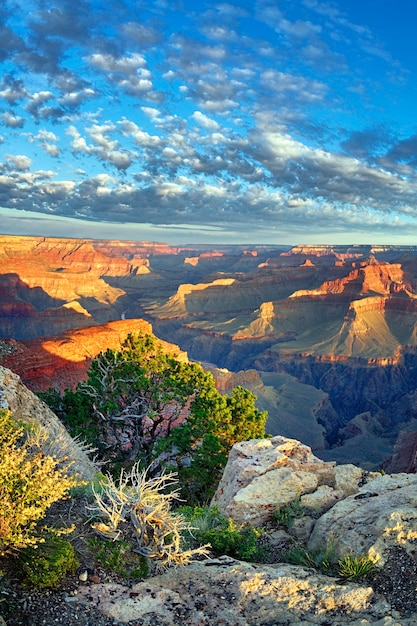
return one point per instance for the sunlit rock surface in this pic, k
(381, 515)
(26, 407)
(63, 361)
(263, 475)
(331, 330)
(233, 593)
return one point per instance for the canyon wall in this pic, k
(331, 330)
(63, 361)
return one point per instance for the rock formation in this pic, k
(380, 516)
(27, 408)
(341, 319)
(358, 512)
(355, 512)
(230, 593)
(264, 475)
(404, 455)
(63, 361)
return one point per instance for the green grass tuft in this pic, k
(352, 567)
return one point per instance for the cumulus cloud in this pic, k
(19, 162)
(67, 21)
(12, 121)
(12, 90)
(141, 137)
(37, 104)
(259, 116)
(141, 34)
(103, 147)
(404, 151)
(129, 73)
(74, 99)
(204, 121)
(48, 142)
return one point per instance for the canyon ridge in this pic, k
(326, 337)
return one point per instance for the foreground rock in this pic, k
(381, 516)
(232, 593)
(353, 511)
(25, 406)
(267, 474)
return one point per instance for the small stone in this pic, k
(70, 599)
(94, 578)
(83, 576)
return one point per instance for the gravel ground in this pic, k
(397, 581)
(21, 606)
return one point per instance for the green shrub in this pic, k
(140, 404)
(30, 482)
(119, 557)
(224, 535)
(322, 559)
(44, 565)
(349, 567)
(200, 518)
(285, 515)
(75, 410)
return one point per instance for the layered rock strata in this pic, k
(63, 361)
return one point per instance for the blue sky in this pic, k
(270, 121)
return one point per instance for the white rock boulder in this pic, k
(383, 514)
(264, 474)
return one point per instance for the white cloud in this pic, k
(76, 98)
(119, 65)
(12, 121)
(251, 114)
(204, 121)
(19, 162)
(99, 135)
(140, 137)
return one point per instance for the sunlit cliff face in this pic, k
(331, 332)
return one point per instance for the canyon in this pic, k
(325, 336)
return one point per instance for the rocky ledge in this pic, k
(355, 511)
(231, 593)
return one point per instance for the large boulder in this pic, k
(379, 517)
(264, 474)
(26, 407)
(354, 511)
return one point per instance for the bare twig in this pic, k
(157, 530)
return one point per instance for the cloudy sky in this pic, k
(262, 121)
